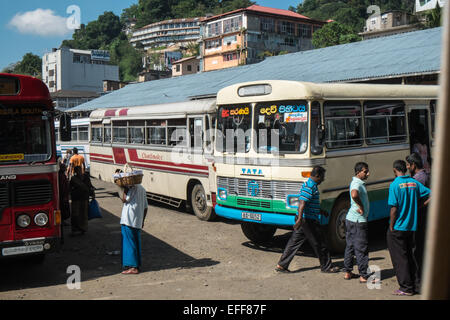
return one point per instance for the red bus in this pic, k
(30, 219)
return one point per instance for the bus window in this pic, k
(433, 116)
(83, 133)
(96, 133)
(119, 132)
(385, 122)
(74, 133)
(316, 129)
(107, 135)
(156, 132)
(209, 128)
(343, 124)
(176, 131)
(233, 128)
(136, 132)
(56, 134)
(281, 126)
(196, 133)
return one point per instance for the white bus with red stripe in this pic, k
(171, 143)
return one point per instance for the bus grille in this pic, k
(262, 189)
(32, 193)
(4, 196)
(254, 203)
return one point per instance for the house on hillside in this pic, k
(389, 23)
(242, 36)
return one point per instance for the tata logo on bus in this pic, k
(253, 188)
(10, 177)
(253, 172)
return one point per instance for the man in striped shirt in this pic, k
(307, 226)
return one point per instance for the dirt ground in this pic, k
(186, 259)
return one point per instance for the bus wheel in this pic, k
(336, 227)
(258, 233)
(200, 205)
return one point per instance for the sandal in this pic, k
(401, 293)
(131, 271)
(282, 270)
(331, 270)
(349, 276)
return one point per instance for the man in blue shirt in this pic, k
(404, 195)
(307, 226)
(356, 237)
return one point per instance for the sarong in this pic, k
(131, 247)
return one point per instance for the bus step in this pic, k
(166, 200)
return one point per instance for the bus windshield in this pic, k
(234, 128)
(281, 127)
(25, 139)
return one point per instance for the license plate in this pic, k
(251, 216)
(22, 250)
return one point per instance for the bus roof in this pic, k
(295, 90)
(166, 110)
(16, 89)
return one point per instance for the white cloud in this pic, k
(42, 22)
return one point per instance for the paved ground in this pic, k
(185, 258)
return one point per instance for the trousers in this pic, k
(356, 238)
(401, 249)
(311, 231)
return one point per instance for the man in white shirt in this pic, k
(134, 212)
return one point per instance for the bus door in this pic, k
(419, 132)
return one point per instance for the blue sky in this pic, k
(24, 28)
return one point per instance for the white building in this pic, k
(424, 5)
(77, 70)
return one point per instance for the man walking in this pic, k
(404, 195)
(356, 236)
(307, 226)
(76, 160)
(79, 193)
(134, 212)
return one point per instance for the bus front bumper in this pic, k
(28, 247)
(276, 219)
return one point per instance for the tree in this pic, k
(30, 65)
(127, 58)
(433, 17)
(332, 34)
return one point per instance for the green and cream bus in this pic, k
(270, 134)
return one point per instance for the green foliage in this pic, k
(434, 17)
(127, 58)
(332, 34)
(350, 15)
(30, 64)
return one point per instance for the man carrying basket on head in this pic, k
(134, 211)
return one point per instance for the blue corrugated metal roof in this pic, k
(402, 54)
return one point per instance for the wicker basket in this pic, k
(129, 177)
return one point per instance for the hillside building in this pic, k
(389, 23)
(243, 36)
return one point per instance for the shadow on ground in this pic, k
(97, 253)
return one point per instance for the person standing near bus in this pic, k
(356, 237)
(404, 196)
(307, 226)
(415, 166)
(79, 192)
(76, 160)
(134, 212)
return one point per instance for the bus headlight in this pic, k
(23, 220)
(41, 219)
(222, 194)
(293, 201)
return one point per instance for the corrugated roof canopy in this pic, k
(402, 54)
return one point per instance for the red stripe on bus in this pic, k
(94, 159)
(123, 112)
(134, 157)
(119, 156)
(142, 165)
(101, 155)
(110, 113)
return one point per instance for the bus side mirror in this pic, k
(65, 127)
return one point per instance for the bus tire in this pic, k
(336, 226)
(200, 205)
(258, 233)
